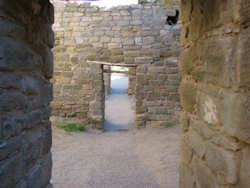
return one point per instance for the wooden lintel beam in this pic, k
(122, 72)
(112, 64)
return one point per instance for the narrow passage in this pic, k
(119, 111)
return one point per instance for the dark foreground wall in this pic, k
(26, 65)
(215, 94)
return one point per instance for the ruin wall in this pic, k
(135, 34)
(215, 94)
(26, 66)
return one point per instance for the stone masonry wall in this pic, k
(26, 66)
(125, 34)
(215, 94)
(157, 83)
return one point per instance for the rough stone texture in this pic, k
(215, 94)
(172, 4)
(26, 66)
(135, 34)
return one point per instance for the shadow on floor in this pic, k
(109, 126)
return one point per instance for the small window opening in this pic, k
(172, 20)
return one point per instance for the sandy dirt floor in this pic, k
(146, 158)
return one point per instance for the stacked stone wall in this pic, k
(215, 94)
(135, 34)
(26, 66)
(171, 5)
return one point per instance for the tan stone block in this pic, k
(116, 52)
(243, 58)
(205, 178)
(223, 12)
(227, 142)
(114, 45)
(143, 60)
(186, 152)
(225, 163)
(128, 41)
(216, 56)
(196, 142)
(208, 108)
(245, 168)
(188, 92)
(184, 120)
(93, 39)
(187, 179)
(235, 115)
(148, 40)
(117, 59)
(133, 53)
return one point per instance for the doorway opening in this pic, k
(119, 105)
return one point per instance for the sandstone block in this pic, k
(148, 40)
(187, 179)
(224, 163)
(114, 45)
(235, 115)
(244, 170)
(188, 91)
(208, 108)
(243, 56)
(205, 177)
(196, 142)
(143, 60)
(186, 152)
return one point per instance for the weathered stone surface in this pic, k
(128, 34)
(12, 170)
(26, 65)
(16, 56)
(188, 96)
(186, 177)
(224, 163)
(244, 170)
(196, 142)
(235, 115)
(186, 152)
(216, 60)
(205, 178)
(208, 108)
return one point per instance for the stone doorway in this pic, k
(119, 105)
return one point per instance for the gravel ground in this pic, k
(146, 158)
